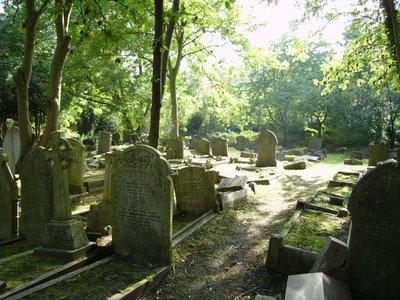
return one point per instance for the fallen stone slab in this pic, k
(246, 154)
(230, 199)
(297, 165)
(232, 184)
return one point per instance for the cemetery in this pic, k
(188, 149)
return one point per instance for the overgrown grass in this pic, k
(98, 283)
(335, 158)
(323, 199)
(311, 229)
(341, 191)
(181, 220)
(14, 248)
(24, 269)
(346, 178)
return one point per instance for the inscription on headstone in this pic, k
(373, 265)
(141, 189)
(266, 149)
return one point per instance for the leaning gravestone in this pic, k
(174, 148)
(195, 191)
(314, 143)
(202, 146)
(373, 264)
(104, 142)
(219, 147)
(77, 167)
(378, 152)
(142, 198)
(36, 196)
(266, 149)
(11, 147)
(8, 201)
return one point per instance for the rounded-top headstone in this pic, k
(11, 147)
(266, 149)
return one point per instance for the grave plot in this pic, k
(326, 202)
(294, 250)
(15, 248)
(345, 179)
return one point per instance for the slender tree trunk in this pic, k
(392, 29)
(157, 69)
(56, 70)
(174, 104)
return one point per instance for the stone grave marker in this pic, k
(8, 201)
(36, 196)
(266, 149)
(174, 148)
(242, 143)
(378, 152)
(11, 147)
(219, 147)
(314, 143)
(142, 198)
(316, 286)
(373, 264)
(195, 191)
(232, 184)
(104, 142)
(77, 168)
(297, 164)
(203, 146)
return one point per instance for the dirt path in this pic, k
(226, 258)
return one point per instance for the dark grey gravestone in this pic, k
(378, 152)
(219, 147)
(36, 196)
(174, 148)
(142, 198)
(203, 146)
(104, 142)
(8, 201)
(373, 264)
(266, 149)
(195, 191)
(242, 143)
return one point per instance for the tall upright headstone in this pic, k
(77, 167)
(36, 195)
(266, 149)
(378, 152)
(219, 147)
(142, 198)
(314, 143)
(174, 148)
(195, 190)
(11, 147)
(8, 201)
(203, 146)
(373, 264)
(104, 142)
(242, 143)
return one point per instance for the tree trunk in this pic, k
(157, 69)
(56, 70)
(392, 30)
(174, 104)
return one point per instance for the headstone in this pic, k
(116, 138)
(195, 191)
(36, 196)
(232, 184)
(378, 152)
(356, 155)
(174, 148)
(66, 236)
(104, 142)
(8, 201)
(219, 147)
(373, 264)
(297, 164)
(77, 168)
(266, 149)
(242, 143)
(203, 146)
(314, 143)
(316, 286)
(142, 198)
(11, 147)
(332, 257)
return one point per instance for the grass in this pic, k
(311, 229)
(341, 191)
(98, 283)
(24, 269)
(181, 220)
(323, 199)
(346, 178)
(335, 158)
(14, 248)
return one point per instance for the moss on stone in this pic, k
(15, 248)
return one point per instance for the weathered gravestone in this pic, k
(142, 198)
(242, 143)
(266, 149)
(203, 146)
(66, 236)
(77, 167)
(219, 147)
(36, 196)
(11, 147)
(100, 214)
(378, 152)
(174, 148)
(195, 191)
(373, 264)
(104, 142)
(8, 201)
(314, 143)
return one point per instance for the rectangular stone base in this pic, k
(67, 254)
